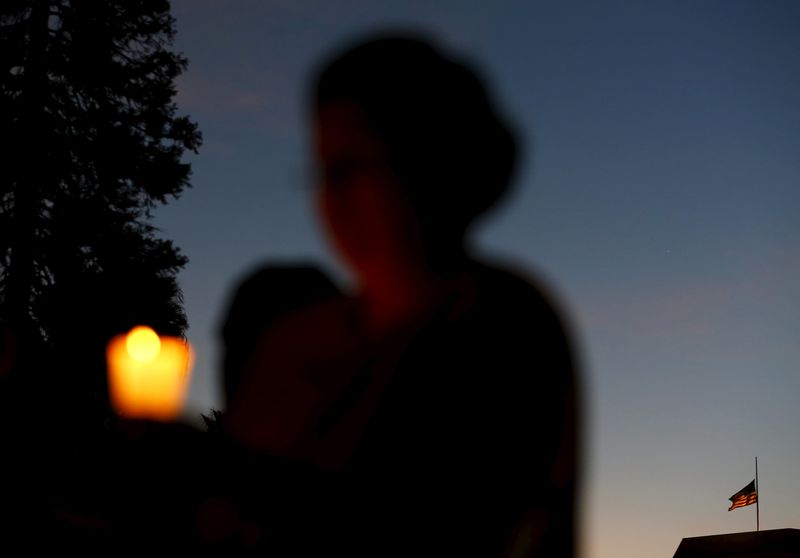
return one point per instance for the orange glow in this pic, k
(148, 375)
(143, 344)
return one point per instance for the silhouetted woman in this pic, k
(440, 395)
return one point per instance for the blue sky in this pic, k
(658, 197)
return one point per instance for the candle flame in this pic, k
(143, 344)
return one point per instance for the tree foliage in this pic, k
(92, 142)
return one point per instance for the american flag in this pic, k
(744, 497)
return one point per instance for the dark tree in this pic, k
(91, 143)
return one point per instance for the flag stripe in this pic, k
(745, 497)
(742, 504)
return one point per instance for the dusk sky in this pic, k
(659, 197)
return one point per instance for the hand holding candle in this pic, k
(148, 375)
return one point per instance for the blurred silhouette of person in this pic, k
(440, 396)
(258, 300)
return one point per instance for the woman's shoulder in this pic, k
(516, 326)
(509, 291)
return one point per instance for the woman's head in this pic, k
(411, 151)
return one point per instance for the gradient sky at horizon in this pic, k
(659, 197)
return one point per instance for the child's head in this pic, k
(261, 298)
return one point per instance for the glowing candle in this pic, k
(148, 375)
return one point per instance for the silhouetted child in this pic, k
(260, 299)
(251, 501)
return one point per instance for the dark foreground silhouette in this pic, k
(428, 410)
(434, 406)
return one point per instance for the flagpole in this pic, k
(758, 497)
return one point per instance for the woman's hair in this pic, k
(446, 143)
